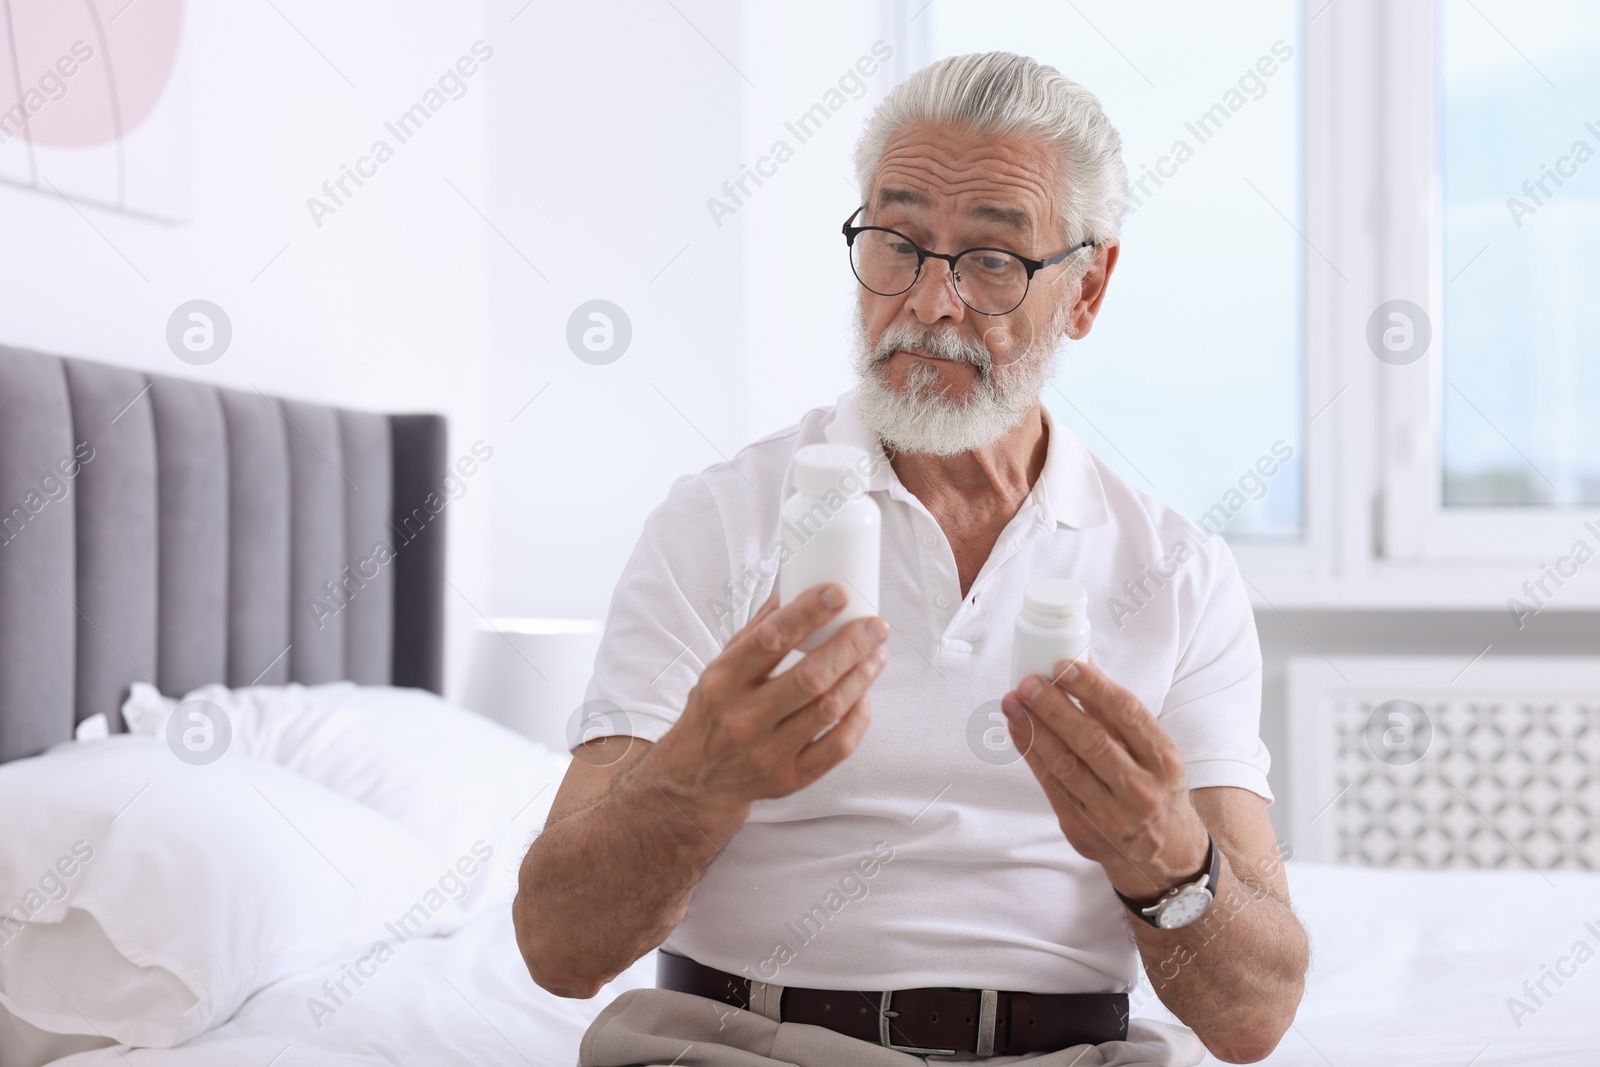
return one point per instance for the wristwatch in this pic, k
(1183, 904)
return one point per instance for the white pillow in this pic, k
(449, 775)
(145, 898)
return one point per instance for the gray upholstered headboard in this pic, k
(164, 530)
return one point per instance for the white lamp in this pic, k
(530, 674)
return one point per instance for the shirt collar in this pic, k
(1070, 480)
(1069, 486)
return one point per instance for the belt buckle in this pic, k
(988, 1004)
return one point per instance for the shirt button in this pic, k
(929, 540)
(942, 600)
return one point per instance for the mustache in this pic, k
(945, 344)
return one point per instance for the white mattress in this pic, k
(1409, 968)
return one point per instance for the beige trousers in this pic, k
(665, 1028)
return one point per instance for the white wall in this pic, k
(599, 160)
(600, 198)
(383, 307)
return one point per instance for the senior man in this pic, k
(827, 892)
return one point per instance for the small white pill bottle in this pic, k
(833, 529)
(1052, 626)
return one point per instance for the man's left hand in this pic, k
(1113, 775)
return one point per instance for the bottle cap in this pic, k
(830, 468)
(1055, 598)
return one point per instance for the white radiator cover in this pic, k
(1438, 762)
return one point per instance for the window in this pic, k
(1489, 452)
(1519, 136)
(1298, 170)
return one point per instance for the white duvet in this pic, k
(1411, 969)
(463, 999)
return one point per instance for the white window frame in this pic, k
(1376, 532)
(1417, 525)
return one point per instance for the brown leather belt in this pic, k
(928, 1022)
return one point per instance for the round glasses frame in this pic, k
(1032, 266)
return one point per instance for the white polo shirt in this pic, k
(930, 856)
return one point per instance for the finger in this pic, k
(824, 665)
(821, 755)
(1082, 817)
(801, 727)
(763, 642)
(1101, 752)
(1053, 761)
(1084, 801)
(1116, 708)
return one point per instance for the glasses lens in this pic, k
(991, 282)
(884, 262)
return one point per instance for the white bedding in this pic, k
(1411, 968)
(464, 999)
(1415, 968)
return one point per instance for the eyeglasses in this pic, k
(990, 281)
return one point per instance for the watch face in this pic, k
(1184, 908)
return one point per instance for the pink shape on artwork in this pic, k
(85, 72)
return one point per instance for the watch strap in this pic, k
(1212, 877)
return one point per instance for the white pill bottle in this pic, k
(833, 530)
(1052, 626)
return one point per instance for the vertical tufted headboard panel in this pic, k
(163, 530)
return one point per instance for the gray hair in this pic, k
(1002, 93)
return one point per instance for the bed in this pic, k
(1389, 985)
(219, 542)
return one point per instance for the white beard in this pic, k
(922, 417)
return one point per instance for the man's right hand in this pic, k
(747, 735)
